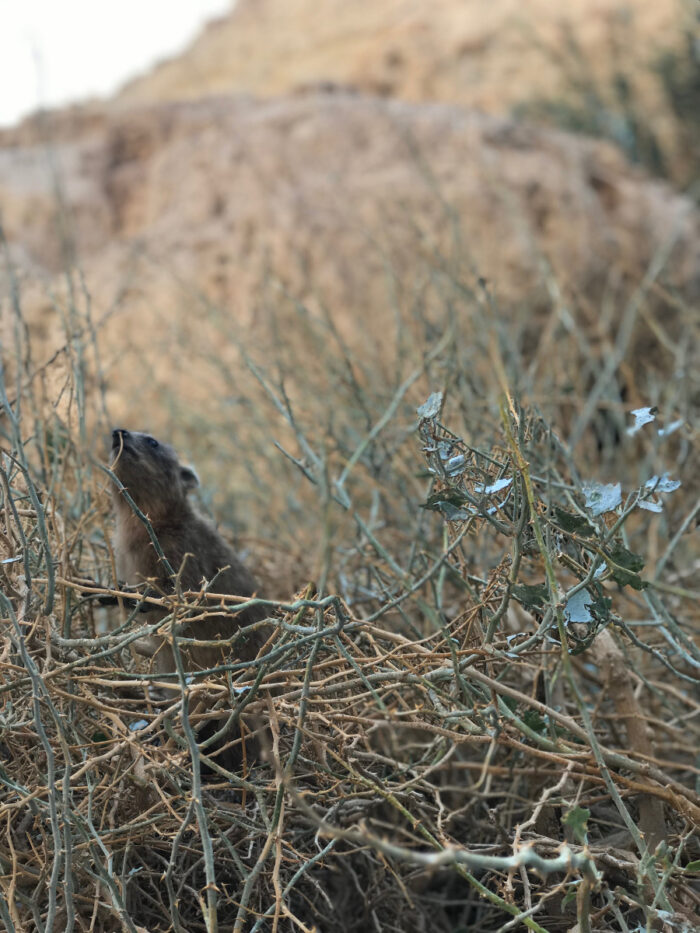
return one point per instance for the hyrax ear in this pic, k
(189, 478)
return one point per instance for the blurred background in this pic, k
(262, 236)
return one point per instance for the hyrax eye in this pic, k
(152, 442)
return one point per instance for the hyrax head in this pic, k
(151, 473)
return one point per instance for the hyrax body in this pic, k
(159, 485)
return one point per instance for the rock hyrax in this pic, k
(159, 485)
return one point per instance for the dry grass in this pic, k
(449, 748)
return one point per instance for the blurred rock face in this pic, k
(594, 65)
(487, 55)
(230, 203)
(224, 187)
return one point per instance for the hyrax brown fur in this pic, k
(159, 485)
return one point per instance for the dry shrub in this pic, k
(481, 709)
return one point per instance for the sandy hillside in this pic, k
(486, 55)
(588, 61)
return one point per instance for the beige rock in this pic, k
(231, 178)
(200, 225)
(489, 55)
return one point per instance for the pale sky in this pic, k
(54, 52)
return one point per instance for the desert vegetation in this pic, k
(481, 679)
(450, 418)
